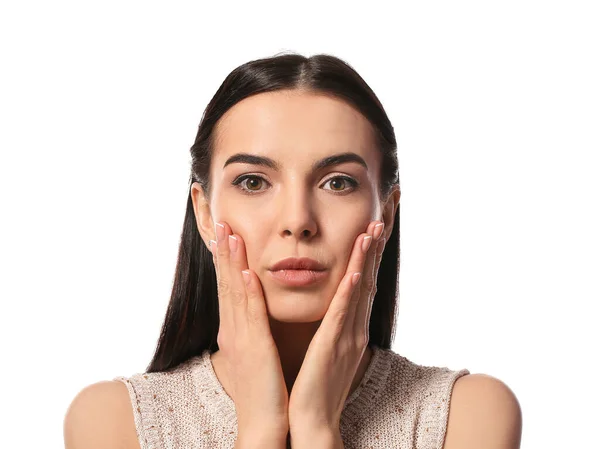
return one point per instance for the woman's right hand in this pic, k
(247, 345)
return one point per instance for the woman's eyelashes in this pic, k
(248, 187)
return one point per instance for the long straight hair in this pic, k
(191, 322)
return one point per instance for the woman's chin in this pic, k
(296, 308)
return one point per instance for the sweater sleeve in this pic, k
(433, 420)
(144, 413)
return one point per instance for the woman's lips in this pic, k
(298, 278)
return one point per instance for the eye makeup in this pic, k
(240, 180)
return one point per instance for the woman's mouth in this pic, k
(298, 278)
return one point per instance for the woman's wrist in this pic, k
(260, 441)
(315, 438)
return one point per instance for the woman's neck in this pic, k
(292, 341)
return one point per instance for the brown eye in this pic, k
(338, 182)
(248, 183)
(342, 181)
(253, 182)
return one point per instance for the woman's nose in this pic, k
(297, 215)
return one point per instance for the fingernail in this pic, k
(246, 275)
(220, 231)
(366, 243)
(378, 230)
(232, 244)
(355, 278)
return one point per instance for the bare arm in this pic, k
(100, 417)
(484, 414)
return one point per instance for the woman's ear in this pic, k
(389, 211)
(204, 220)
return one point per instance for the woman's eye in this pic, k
(253, 180)
(250, 184)
(342, 181)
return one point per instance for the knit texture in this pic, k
(398, 404)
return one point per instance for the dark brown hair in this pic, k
(191, 323)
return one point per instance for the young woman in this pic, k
(281, 317)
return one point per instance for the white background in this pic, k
(496, 111)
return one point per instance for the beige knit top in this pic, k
(398, 404)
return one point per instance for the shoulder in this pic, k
(484, 413)
(100, 416)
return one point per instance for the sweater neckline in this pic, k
(356, 406)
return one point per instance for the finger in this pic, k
(362, 316)
(224, 314)
(256, 309)
(358, 294)
(250, 297)
(336, 316)
(212, 246)
(224, 286)
(233, 298)
(335, 321)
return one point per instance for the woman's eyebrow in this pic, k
(335, 159)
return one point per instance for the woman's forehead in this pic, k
(284, 125)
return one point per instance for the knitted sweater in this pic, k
(398, 404)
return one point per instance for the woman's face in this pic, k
(291, 210)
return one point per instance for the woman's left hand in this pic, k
(334, 354)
